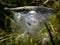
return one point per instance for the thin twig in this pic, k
(51, 37)
(24, 7)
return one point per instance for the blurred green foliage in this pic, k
(9, 38)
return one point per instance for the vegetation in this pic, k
(9, 36)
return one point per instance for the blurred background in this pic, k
(9, 30)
